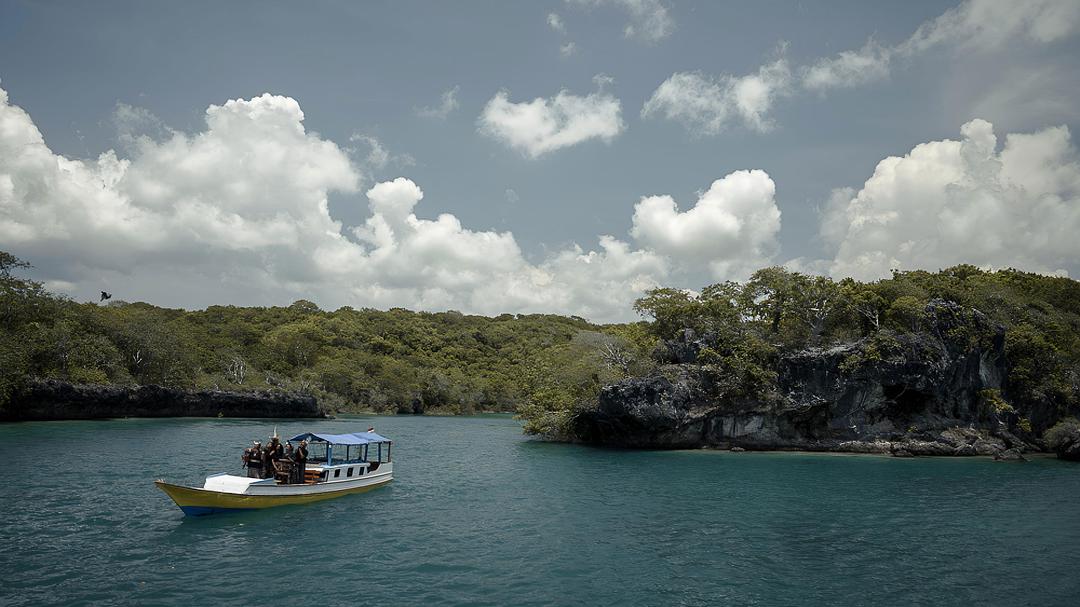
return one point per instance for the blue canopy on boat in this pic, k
(353, 438)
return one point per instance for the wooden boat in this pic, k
(338, 464)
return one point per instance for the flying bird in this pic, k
(105, 296)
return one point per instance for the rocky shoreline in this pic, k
(969, 443)
(58, 400)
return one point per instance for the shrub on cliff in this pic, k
(561, 381)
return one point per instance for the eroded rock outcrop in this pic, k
(1064, 440)
(929, 392)
(52, 400)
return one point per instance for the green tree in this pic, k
(293, 346)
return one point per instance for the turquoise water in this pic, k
(479, 515)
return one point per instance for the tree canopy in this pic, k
(394, 360)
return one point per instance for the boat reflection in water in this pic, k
(338, 464)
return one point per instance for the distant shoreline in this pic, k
(53, 400)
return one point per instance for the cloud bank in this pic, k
(237, 213)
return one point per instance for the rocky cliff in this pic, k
(53, 400)
(934, 391)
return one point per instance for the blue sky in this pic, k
(805, 99)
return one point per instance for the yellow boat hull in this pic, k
(198, 502)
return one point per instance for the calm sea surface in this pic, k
(479, 515)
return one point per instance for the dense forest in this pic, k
(352, 360)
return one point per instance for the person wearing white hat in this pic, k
(253, 459)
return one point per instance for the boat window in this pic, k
(337, 473)
(349, 473)
(317, 452)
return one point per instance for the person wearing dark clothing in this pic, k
(274, 452)
(253, 460)
(300, 462)
(268, 460)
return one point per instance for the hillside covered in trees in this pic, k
(784, 359)
(954, 362)
(352, 360)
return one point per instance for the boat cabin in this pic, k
(342, 457)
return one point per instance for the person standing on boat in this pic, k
(277, 454)
(268, 460)
(300, 462)
(253, 460)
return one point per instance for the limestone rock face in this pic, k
(646, 412)
(920, 397)
(50, 399)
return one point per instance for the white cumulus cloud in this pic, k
(707, 105)
(248, 182)
(949, 202)
(731, 229)
(544, 125)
